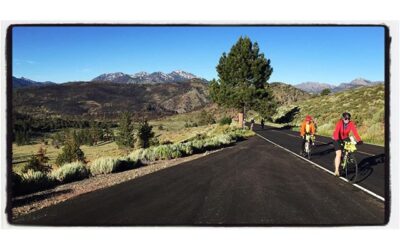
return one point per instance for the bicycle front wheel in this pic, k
(351, 168)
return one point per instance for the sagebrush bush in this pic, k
(166, 152)
(198, 144)
(33, 181)
(185, 148)
(71, 172)
(104, 165)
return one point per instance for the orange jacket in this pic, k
(303, 128)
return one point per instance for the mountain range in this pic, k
(175, 76)
(146, 95)
(317, 87)
(25, 82)
(95, 99)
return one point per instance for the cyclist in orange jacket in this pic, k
(307, 127)
(342, 130)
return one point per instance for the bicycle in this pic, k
(308, 144)
(348, 162)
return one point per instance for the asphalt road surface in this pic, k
(251, 183)
(370, 158)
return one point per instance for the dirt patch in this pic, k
(29, 203)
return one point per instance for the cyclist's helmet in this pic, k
(308, 118)
(346, 115)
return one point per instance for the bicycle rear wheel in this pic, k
(351, 168)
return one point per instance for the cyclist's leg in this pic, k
(337, 161)
(338, 152)
(303, 142)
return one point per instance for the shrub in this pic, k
(225, 139)
(136, 155)
(205, 118)
(16, 180)
(197, 145)
(166, 152)
(190, 124)
(225, 120)
(104, 165)
(33, 181)
(185, 148)
(212, 143)
(71, 172)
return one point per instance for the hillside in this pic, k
(25, 82)
(109, 99)
(366, 104)
(317, 87)
(287, 94)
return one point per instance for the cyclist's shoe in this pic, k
(360, 143)
(337, 174)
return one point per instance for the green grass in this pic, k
(172, 130)
(23, 153)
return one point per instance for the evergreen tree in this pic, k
(243, 76)
(108, 133)
(144, 135)
(95, 133)
(326, 92)
(125, 136)
(70, 152)
(38, 162)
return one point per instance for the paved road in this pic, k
(251, 183)
(371, 158)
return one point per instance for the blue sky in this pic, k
(298, 54)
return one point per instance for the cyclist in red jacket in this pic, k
(343, 127)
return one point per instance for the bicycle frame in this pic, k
(349, 147)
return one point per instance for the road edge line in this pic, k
(359, 151)
(326, 170)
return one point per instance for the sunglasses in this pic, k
(346, 119)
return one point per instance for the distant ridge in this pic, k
(25, 82)
(317, 87)
(175, 76)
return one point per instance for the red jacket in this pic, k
(342, 133)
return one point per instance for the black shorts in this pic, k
(338, 145)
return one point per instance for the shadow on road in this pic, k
(366, 166)
(20, 201)
(324, 152)
(258, 128)
(323, 144)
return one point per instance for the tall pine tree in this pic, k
(243, 76)
(125, 136)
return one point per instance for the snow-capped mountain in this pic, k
(146, 78)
